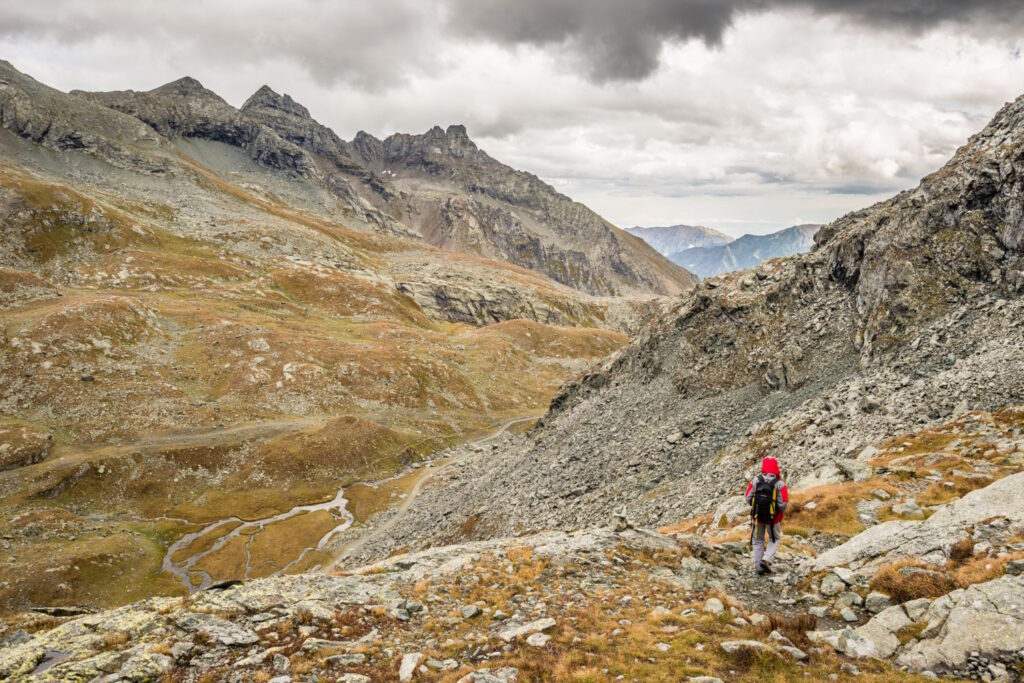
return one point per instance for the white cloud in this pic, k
(793, 117)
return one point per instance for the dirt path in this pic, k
(178, 438)
(356, 544)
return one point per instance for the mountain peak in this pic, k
(457, 130)
(267, 98)
(183, 86)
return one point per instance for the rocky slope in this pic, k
(438, 185)
(614, 602)
(905, 313)
(744, 252)
(200, 321)
(675, 238)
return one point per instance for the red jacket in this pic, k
(770, 467)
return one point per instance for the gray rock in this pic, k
(536, 626)
(407, 667)
(895, 540)
(986, 618)
(909, 508)
(875, 602)
(916, 609)
(733, 646)
(223, 631)
(506, 674)
(714, 606)
(1015, 567)
(470, 611)
(352, 659)
(537, 639)
(832, 585)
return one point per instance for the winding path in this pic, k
(357, 544)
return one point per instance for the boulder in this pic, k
(855, 470)
(984, 621)
(832, 585)
(908, 508)
(714, 606)
(733, 510)
(223, 631)
(506, 674)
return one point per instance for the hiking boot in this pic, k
(766, 568)
(761, 571)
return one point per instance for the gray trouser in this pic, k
(759, 552)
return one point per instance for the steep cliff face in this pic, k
(905, 313)
(438, 185)
(460, 198)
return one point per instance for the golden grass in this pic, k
(981, 569)
(204, 542)
(228, 562)
(835, 506)
(939, 494)
(365, 500)
(282, 542)
(903, 586)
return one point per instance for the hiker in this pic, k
(768, 498)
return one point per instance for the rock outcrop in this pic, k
(930, 540)
(975, 633)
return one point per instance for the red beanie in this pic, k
(770, 466)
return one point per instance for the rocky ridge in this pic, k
(675, 238)
(438, 185)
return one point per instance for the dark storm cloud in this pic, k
(621, 40)
(377, 44)
(618, 40)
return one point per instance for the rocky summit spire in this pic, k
(183, 86)
(266, 98)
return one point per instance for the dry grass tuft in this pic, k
(909, 580)
(794, 627)
(961, 550)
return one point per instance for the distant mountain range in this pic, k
(669, 239)
(707, 252)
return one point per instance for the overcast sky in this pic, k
(745, 115)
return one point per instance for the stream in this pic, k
(183, 569)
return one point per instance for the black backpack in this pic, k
(762, 507)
